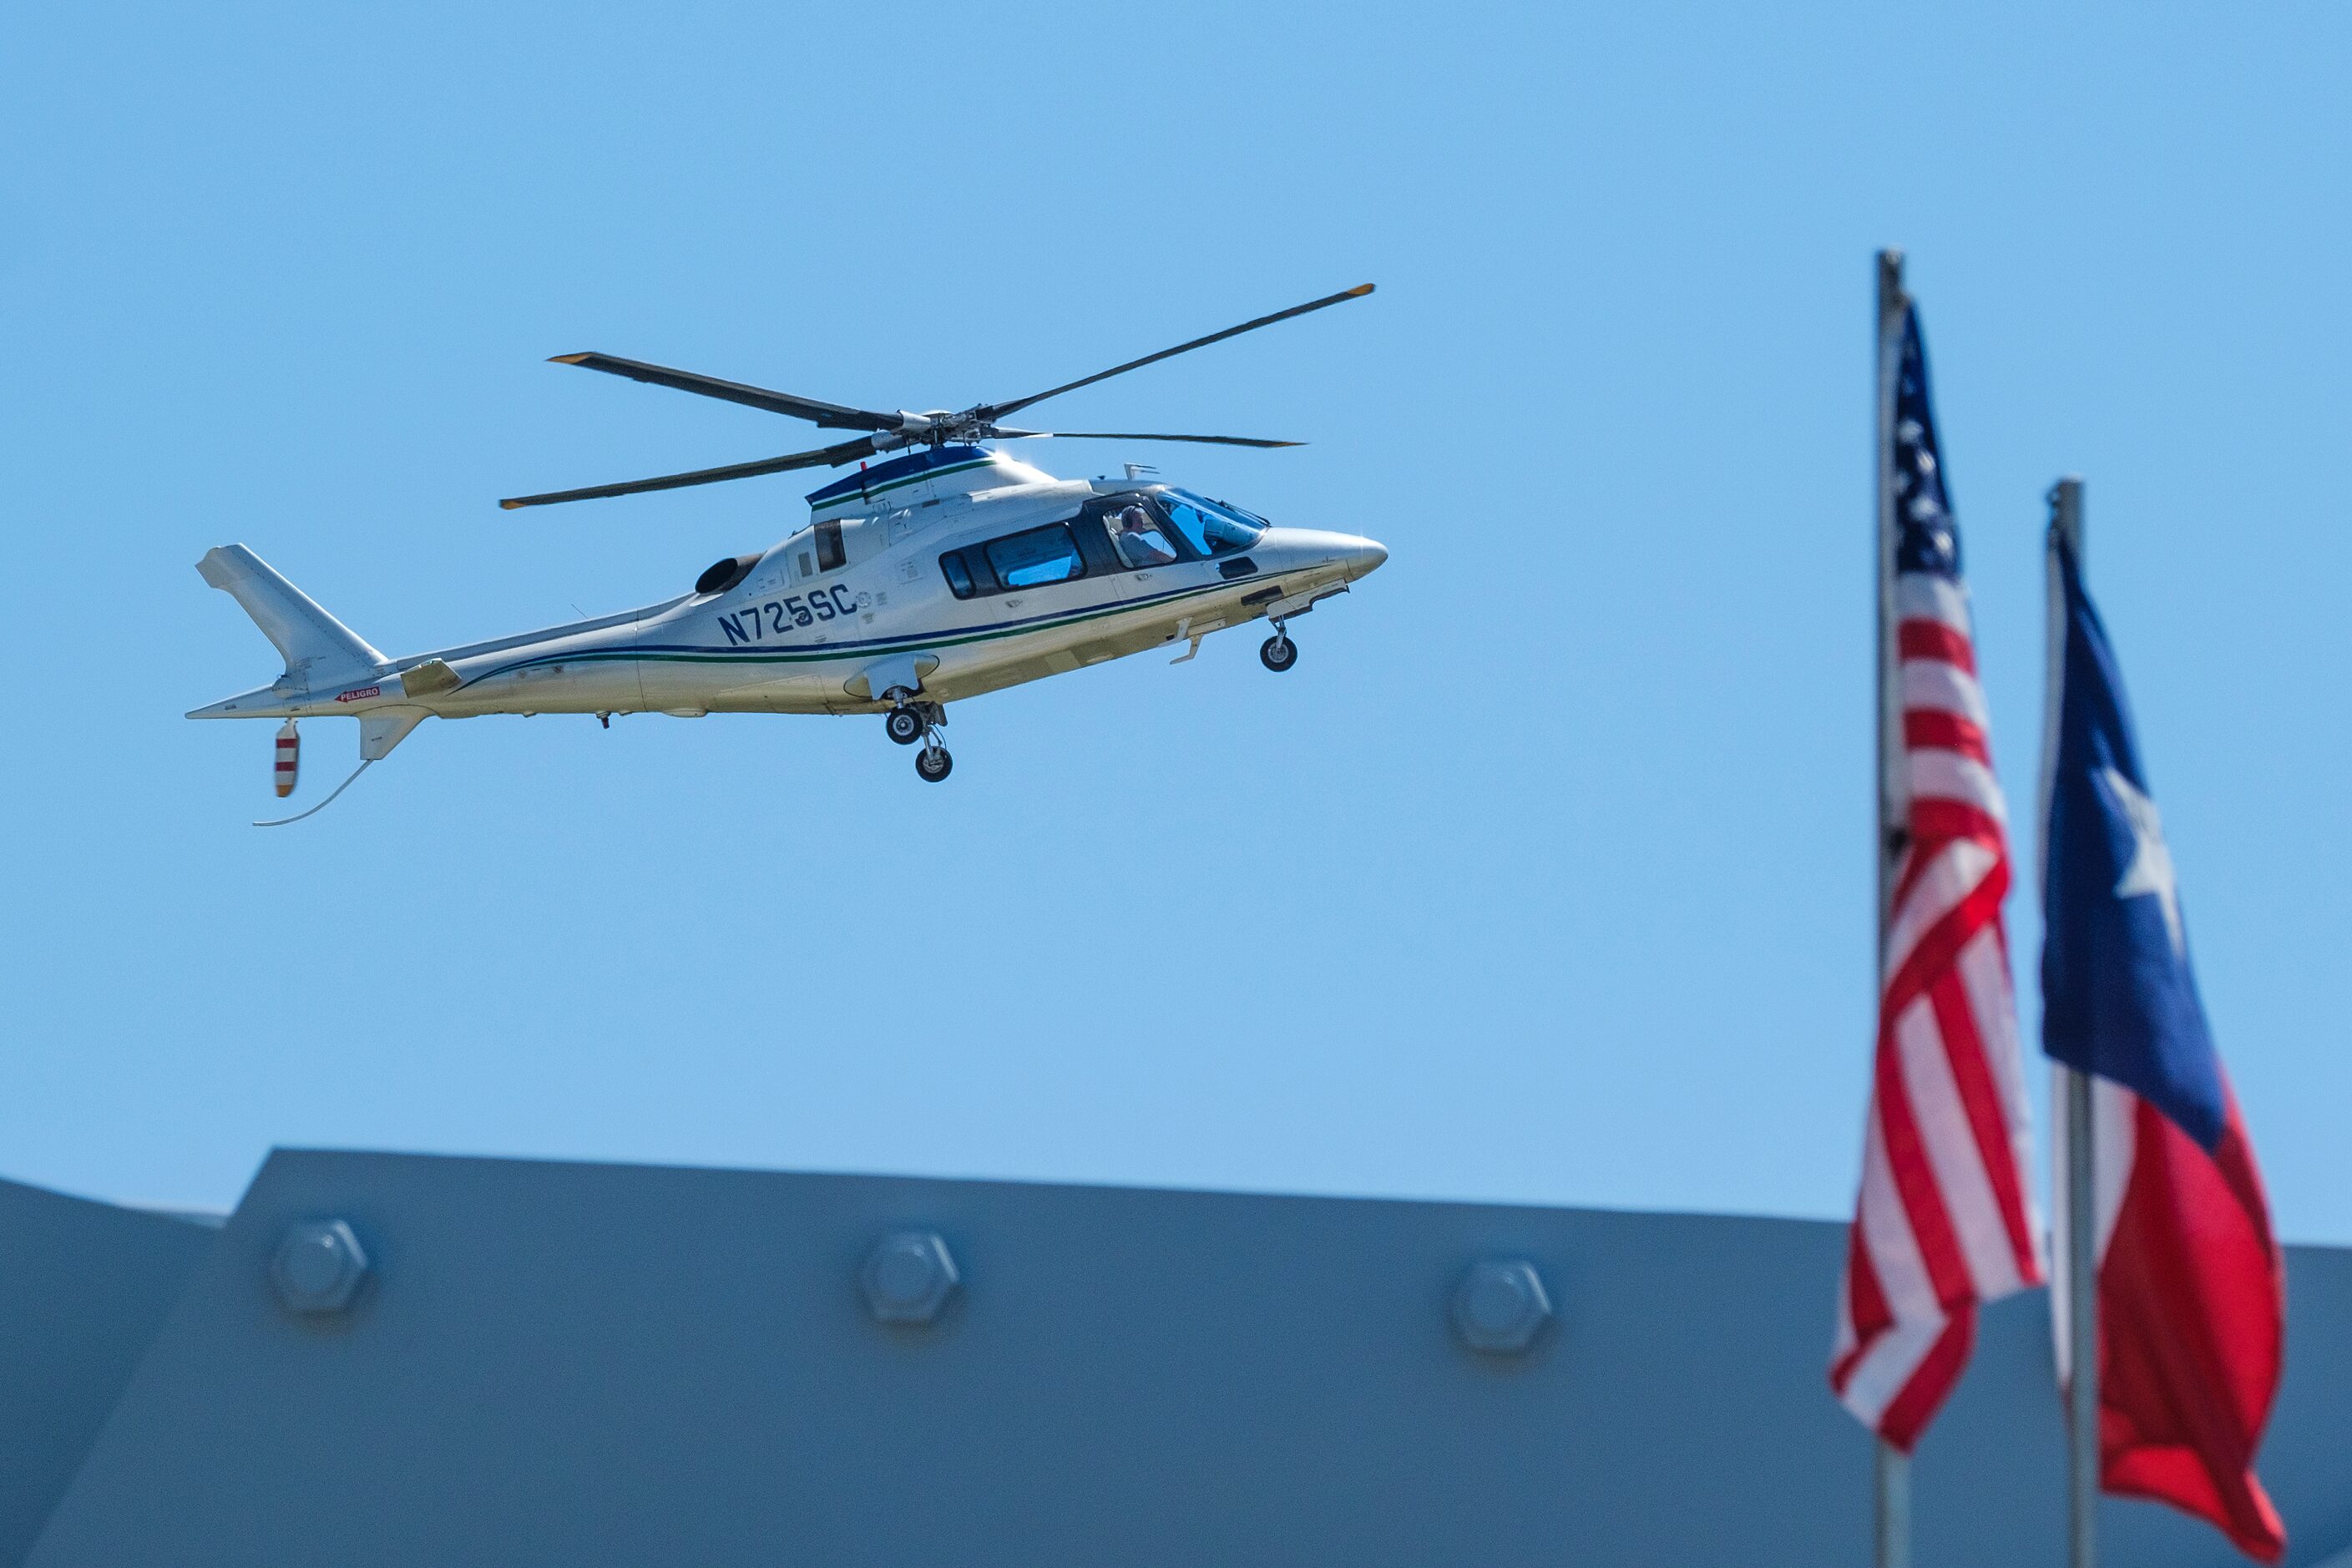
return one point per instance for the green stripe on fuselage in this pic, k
(900, 484)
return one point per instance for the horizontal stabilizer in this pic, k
(429, 678)
(310, 638)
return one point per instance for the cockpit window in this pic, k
(1136, 534)
(1211, 527)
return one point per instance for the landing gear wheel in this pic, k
(933, 762)
(903, 725)
(1277, 653)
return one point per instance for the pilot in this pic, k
(1138, 540)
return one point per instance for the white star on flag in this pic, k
(2151, 870)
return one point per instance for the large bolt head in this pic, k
(908, 1276)
(1501, 1307)
(318, 1266)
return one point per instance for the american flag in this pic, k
(1944, 1221)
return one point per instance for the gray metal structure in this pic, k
(1892, 833)
(84, 1287)
(542, 1362)
(2081, 1243)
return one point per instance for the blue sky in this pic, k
(1544, 876)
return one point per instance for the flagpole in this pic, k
(2081, 1262)
(1892, 1481)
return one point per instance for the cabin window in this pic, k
(958, 574)
(1038, 555)
(829, 553)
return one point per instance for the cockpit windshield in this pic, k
(1212, 528)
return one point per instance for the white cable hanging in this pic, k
(323, 806)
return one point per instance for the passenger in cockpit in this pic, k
(1141, 544)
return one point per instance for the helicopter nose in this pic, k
(1313, 548)
(1357, 557)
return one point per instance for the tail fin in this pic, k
(308, 636)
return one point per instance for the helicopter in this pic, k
(946, 570)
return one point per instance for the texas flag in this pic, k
(2190, 1280)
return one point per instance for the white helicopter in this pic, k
(940, 574)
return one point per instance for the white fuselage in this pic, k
(792, 635)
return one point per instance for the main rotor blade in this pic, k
(832, 415)
(992, 411)
(1137, 435)
(830, 456)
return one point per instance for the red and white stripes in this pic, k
(288, 765)
(1944, 1221)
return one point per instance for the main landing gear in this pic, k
(1277, 653)
(912, 720)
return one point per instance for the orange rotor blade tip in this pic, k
(1358, 291)
(565, 359)
(508, 505)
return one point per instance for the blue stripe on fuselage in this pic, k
(741, 654)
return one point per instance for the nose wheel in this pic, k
(1277, 653)
(912, 720)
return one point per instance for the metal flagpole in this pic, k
(1893, 1466)
(2081, 1262)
